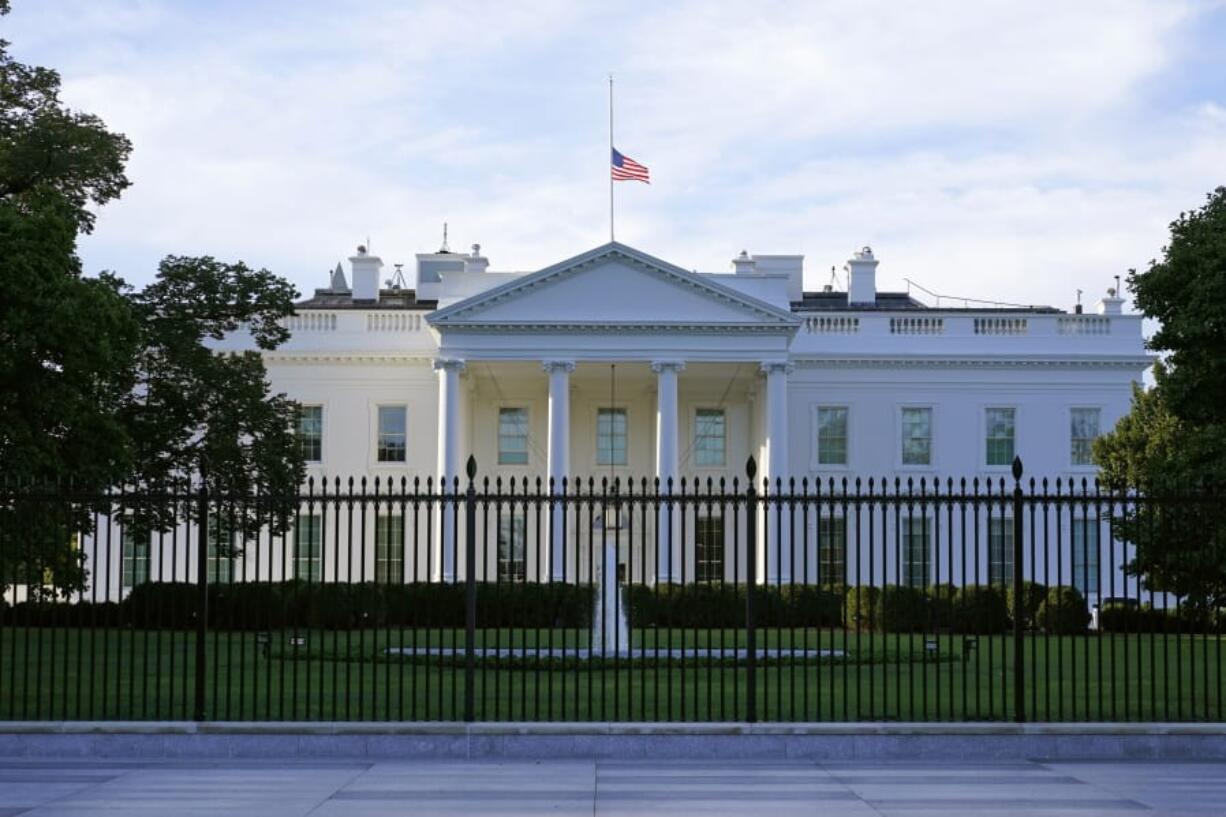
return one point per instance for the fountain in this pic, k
(610, 629)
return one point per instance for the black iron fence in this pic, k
(709, 600)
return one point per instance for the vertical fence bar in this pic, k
(751, 579)
(1019, 648)
(202, 598)
(470, 590)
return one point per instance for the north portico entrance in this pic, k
(613, 364)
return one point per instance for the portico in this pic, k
(618, 386)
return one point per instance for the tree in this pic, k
(48, 148)
(61, 388)
(1175, 522)
(1172, 445)
(201, 418)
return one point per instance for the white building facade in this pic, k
(618, 365)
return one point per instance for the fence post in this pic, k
(470, 591)
(1019, 647)
(202, 599)
(751, 580)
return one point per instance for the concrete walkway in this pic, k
(44, 787)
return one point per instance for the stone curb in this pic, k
(773, 741)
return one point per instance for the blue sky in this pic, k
(1015, 151)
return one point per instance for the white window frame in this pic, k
(1007, 547)
(390, 546)
(816, 464)
(374, 448)
(527, 410)
(931, 465)
(831, 519)
(596, 463)
(323, 413)
(905, 551)
(722, 548)
(318, 557)
(1086, 466)
(694, 435)
(1094, 579)
(982, 442)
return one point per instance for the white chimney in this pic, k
(1112, 304)
(743, 264)
(862, 277)
(475, 261)
(366, 269)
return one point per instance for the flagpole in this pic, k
(609, 158)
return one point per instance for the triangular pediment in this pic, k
(614, 286)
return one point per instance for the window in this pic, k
(917, 436)
(308, 548)
(1001, 432)
(831, 550)
(611, 436)
(311, 432)
(222, 550)
(1084, 423)
(389, 549)
(512, 538)
(709, 439)
(512, 436)
(709, 549)
(831, 435)
(134, 556)
(392, 427)
(1085, 556)
(915, 566)
(1000, 551)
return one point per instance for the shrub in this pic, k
(1063, 612)
(980, 609)
(723, 605)
(1119, 617)
(890, 609)
(941, 598)
(1033, 595)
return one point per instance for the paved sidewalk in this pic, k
(45, 787)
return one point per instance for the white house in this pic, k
(615, 363)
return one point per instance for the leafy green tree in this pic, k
(204, 418)
(67, 342)
(48, 148)
(1172, 444)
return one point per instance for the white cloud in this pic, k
(990, 149)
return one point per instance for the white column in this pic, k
(778, 559)
(559, 458)
(443, 563)
(668, 530)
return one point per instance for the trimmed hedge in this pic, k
(1063, 612)
(1130, 618)
(890, 609)
(979, 609)
(1033, 595)
(723, 605)
(276, 605)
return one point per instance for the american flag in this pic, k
(626, 169)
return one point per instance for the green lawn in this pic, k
(64, 673)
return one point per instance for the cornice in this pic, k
(971, 363)
(590, 327)
(352, 358)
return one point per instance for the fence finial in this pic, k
(1017, 467)
(471, 467)
(751, 467)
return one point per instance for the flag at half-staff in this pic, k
(626, 169)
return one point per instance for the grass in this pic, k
(67, 673)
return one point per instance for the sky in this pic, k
(1008, 151)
